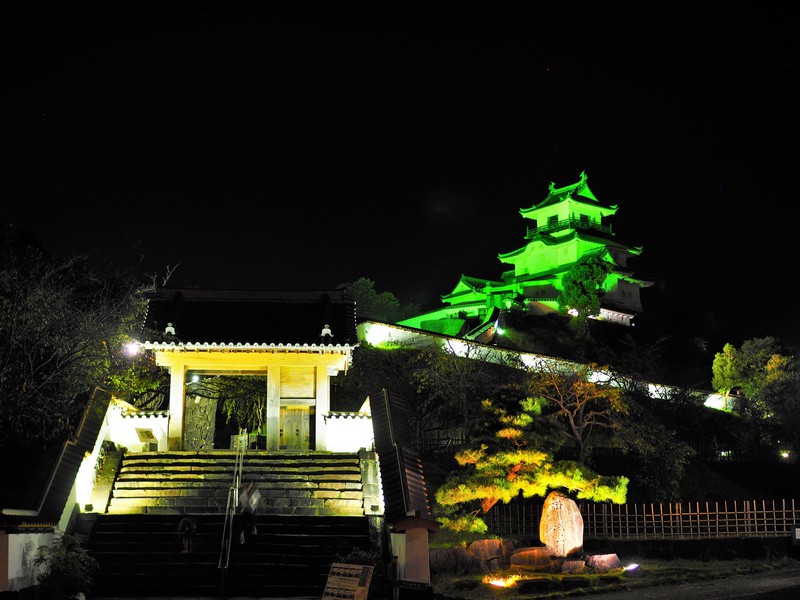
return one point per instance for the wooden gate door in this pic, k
(295, 428)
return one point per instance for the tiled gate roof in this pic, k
(254, 316)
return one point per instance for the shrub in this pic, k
(68, 569)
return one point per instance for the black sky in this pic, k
(300, 145)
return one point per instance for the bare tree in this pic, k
(582, 395)
(457, 378)
(62, 330)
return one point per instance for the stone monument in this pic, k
(561, 525)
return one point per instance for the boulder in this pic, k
(457, 560)
(534, 558)
(603, 562)
(573, 566)
(492, 554)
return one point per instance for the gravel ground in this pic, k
(777, 582)
(783, 584)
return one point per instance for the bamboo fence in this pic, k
(660, 521)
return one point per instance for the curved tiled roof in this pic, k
(251, 319)
(578, 191)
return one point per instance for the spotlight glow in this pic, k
(132, 349)
(497, 581)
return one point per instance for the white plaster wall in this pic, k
(349, 433)
(398, 545)
(22, 550)
(122, 428)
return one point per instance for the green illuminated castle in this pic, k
(568, 227)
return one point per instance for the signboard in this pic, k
(146, 435)
(413, 585)
(349, 582)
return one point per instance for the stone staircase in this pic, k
(312, 514)
(310, 484)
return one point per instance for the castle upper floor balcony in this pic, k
(570, 223)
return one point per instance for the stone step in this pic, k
(228, 459)
(201, 505)
(140, 556)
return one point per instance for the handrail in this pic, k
(233, 501)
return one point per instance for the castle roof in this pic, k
(586, 236)
(576, 191)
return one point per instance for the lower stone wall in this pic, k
(199, 423)
(491, 555)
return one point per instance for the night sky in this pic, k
(301, 145)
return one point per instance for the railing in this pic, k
(572, 222)
(736, 453)
(438, 442)
(233, 501)
(659, 521)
